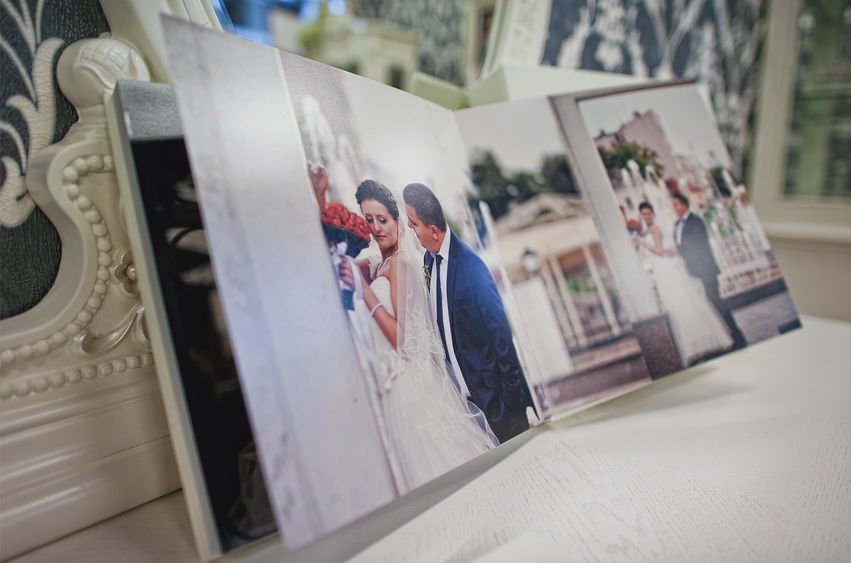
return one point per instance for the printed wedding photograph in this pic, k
(674, 193)
(570, 315)
(368, 321)
(424, 302)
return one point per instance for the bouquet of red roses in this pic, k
(633, 226)
(341, 225)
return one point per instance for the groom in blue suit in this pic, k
(692, 240)
(476, 337)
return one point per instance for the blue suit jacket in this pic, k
(696, 251)
(482, 339)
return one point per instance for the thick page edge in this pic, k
(180, 427)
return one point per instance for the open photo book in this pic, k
(355, 291)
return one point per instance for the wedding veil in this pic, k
(455, 429)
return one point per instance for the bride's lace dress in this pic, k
(696, 326)
(430, 427)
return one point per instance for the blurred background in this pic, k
(777, 72)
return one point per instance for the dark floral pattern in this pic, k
(30, 249)
(716, 42)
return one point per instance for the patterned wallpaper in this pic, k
(716, 42)
(33, 114)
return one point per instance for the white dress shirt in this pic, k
(452, 362)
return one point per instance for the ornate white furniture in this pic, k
(82, 432)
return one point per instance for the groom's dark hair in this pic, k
(426, 204)
(646, 205)
(683, 199)
(370, 189)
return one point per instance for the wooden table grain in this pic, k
(747, 458)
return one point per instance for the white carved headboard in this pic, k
(82, 431)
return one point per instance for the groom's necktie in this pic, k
(437, 260)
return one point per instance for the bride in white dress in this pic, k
(431, 428)
(695, 324)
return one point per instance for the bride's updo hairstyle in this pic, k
(370, 189)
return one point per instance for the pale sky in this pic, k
(405, 139)
(520, 133)
(688, 123)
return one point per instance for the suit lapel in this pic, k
(454, 255)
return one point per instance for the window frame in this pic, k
(825, 218)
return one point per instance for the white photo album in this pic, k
(404, 288)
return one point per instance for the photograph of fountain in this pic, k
(676, 195)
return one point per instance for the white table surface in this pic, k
(746, 458)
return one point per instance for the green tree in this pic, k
(499, 188)
(557, 175)
(312, 36)
(486, 174)
(621, 153)
(724, 188)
